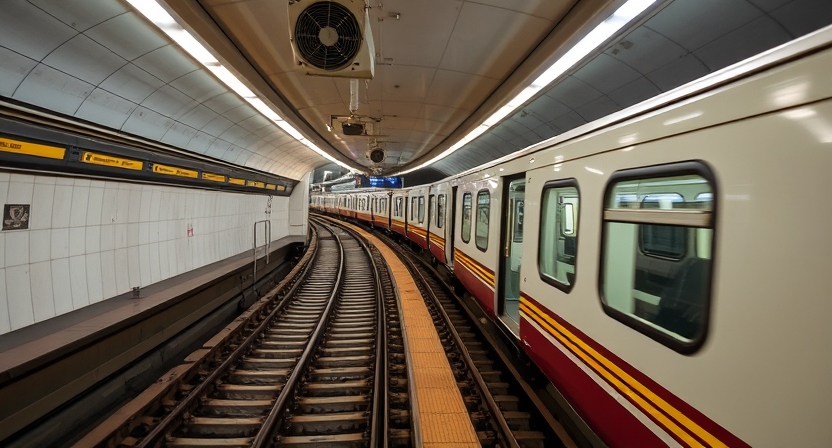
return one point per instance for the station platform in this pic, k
(440, 418)
(45, 364)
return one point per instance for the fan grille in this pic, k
(327, 35)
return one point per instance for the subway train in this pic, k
(664, 266)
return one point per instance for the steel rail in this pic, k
(264, 435)
(154, 437)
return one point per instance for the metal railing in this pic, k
(267, 229)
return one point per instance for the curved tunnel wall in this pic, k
(89, 240)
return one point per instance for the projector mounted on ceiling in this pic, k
(332, 38)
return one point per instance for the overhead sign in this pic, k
(213, 177)
(235, 181)
(270, 187)
(112, 161)
(174, 171)
(281, 188)
(386, 182)
(254, 183)
(31, 149)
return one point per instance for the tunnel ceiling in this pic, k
(442, 66)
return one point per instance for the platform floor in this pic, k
(443, 420)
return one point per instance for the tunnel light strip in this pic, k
(165, 22)
(614, 23)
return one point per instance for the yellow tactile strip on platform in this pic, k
(442, 415)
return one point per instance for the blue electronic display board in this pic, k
(386, 182)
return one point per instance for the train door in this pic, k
(449, 232)
(512, 253)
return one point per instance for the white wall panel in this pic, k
(91, 240)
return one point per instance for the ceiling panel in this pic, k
(81, 14)
(639, 90)
(407, 41)
(318, 90)
(179, 135)
(748, 40)
(198, 85)
(198, 117)
(169, 102)
(13, 70)
(645, 50)
(715, 18)
(24, 27)
(132, 82)
(54, 90)
(803, 16)
(459, 90)
(85, 59)
(224, 102)
(540, 8)
(477, 49)
(573, 92)
(166, 63)
(147, 123)
(241, 113)
(106, 108)
(127, 36)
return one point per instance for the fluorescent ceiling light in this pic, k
(156, 14)
(600, 34)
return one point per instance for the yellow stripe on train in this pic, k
(625, 384)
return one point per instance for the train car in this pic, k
(346, 204)
(363, 209)
(475, 245)
(417, 223)
(440, 222)
(398, 212)
(656, 265)
(380, 205)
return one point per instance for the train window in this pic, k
(421, 209)
(397, 207)
(466, 217)
(431, 207)
(657, 251)
(413, 208)
(483, 209)
(440, 211)
(558, 242)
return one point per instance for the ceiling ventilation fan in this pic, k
(332, 38)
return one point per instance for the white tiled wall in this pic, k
(91, 240)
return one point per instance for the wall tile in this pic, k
(134, 213)
(133, 267)
(164, 260)
(78, 281)
(109, 287)
(93, 239)
(78, 213)
(5, 324)
(77, 241)
(144, 264)
(133, 234)
(144, 233)
(4, 190)
(41, 211)
(144, 209)
(94, 205)
(155, 204)
(121, 236)
(94, 287)
(19, 294)
(108, 237)
(20, 192)
(67, 181)
(122, 271)
(41, 286)
(61, 286)
(17, 248)
(155, 269)
(61, 206)
(123, 206)
(109, 207)
(59, 243)
(40, 243)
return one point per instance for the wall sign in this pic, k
(16, 216)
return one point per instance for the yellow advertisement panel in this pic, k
(115, 162)
(31, 149)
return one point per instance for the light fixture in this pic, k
(614, 23)
(165, 22)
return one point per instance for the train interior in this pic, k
(658, 275)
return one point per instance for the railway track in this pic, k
(312, 373)
(503, 408)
